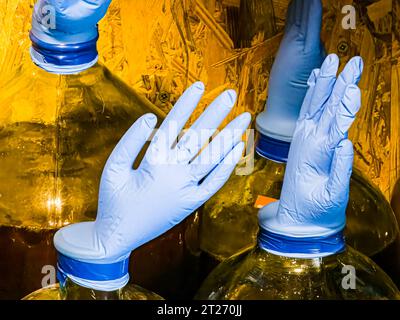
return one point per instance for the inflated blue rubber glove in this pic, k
(173, 180)
(64, 34)
(315, 191)
(300, 52)
(74, 20)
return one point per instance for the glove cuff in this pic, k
(56, 50)
(297, 240)
(63, 58)
(101, 277)
(302, 248)
(273, 149)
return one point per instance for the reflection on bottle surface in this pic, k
(259, 275)
(56, 133)
(28, 262)
(229, 222)
(389, 259)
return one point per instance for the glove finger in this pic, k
(298, 11)
(129, 147)
(76, 16)
(290, 16)
(341, 170)
(310, 92)
(304, 17)
(220, 175)
(205, 126)
(324, 86)
(350, 75)
(173, 124)
(345, 115)
(219, 148)
(313, 25)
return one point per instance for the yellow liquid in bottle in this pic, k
(56, 133)
(229, 223)
(72, 291)
(259, 275)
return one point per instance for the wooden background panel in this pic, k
(372, 39)
(395, 109)
(14, 28)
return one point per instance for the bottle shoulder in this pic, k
(34, 95)
(129, 292)
(48, 293)
(371, 223)
(260, 275)
(135, 292)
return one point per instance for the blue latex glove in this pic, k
(300, 52)
(75, 20)
(64, 34)
(172, 181)
(315, 192)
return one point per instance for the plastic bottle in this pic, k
(261, 275)
(57, 130)
(371, 224)
(229, 220)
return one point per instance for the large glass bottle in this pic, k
(260, 275)
(229, 222)
(371, 224)
(72, 291)
(56, 133)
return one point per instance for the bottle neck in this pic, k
(95, 277)
(63, 58)
(301, 247)
(73, 291)
(30, 71)
(272, 149)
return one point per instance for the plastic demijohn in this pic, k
(229, 222)
(57, 130)
(314, 271)
(90, 280)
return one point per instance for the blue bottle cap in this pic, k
(273, 149)
(64, 58)
(102, 277)
(92, 271)
(306, 247)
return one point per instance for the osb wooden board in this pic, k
(161, 46)
(395, 95)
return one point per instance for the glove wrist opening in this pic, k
(64, 58)
(284, 237)
(102, 277)
(302, 248)
(272, 149)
